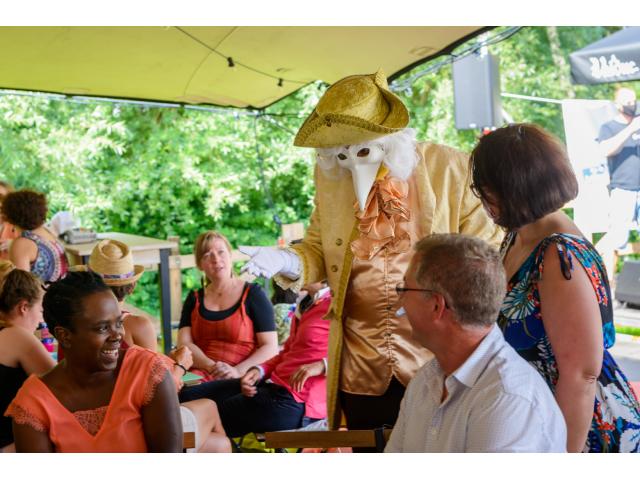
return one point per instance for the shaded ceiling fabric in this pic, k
(189, 64)
(615, 58)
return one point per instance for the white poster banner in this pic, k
(582, 122)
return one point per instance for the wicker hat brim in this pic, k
(138, 270)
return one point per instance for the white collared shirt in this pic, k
(496, 402)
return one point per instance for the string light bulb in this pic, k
(280, 83)
(230, 62)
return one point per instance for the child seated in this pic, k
(21, 354)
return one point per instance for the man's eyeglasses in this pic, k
(400, 289)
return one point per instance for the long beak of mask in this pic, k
(364, 163)
(363, 177)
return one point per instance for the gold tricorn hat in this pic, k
(356, 109)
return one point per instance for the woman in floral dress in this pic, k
(557, 312)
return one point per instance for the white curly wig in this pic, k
(399, 148)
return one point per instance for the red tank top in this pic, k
(230, 340)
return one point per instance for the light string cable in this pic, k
(233, 62)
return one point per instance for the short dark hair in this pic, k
(526, 170)
(26, 209)
(122, 291)
(62, 301)
(19, 285)
(280, 295)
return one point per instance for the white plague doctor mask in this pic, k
(363, 161)
(397, 152)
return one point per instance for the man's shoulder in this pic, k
(614, 123)
(423, 376)
(509, 373)
(609, 129)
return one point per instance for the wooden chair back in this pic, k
(326, 439)
(188, 440)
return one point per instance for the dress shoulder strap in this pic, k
(32, 236)
(243, 299)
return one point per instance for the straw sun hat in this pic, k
(354, 110)
(112, 260)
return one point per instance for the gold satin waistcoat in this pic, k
(376, 343)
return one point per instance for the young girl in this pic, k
(21, 354)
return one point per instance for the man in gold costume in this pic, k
(378, 191)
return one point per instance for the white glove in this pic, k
(267, 261)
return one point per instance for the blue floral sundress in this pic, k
(616, 416)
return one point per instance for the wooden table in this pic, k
(146, 251)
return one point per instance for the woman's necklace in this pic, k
(221, 290)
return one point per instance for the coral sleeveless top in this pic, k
(230, 340)
(116, 427)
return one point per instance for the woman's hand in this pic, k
(183, 356)
(224, 371)
(248, 382)
(303, 373)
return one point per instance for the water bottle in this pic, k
(45, 337)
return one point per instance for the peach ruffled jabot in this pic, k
(382, 223)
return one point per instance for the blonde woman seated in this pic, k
(229, 324)
(112, 260)
(21, 354)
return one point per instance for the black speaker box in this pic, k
(628, 283)
(476, 92)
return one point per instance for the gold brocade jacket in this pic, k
(440, 201)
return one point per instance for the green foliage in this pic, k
(628, 330)
(526, 68)
(176, 171)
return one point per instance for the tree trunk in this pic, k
(560, 62)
